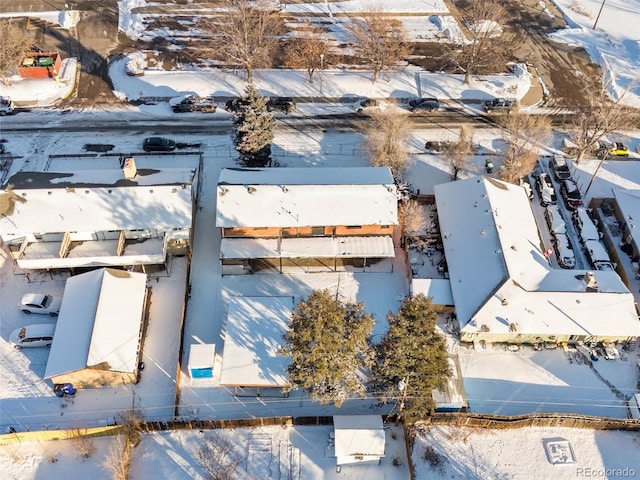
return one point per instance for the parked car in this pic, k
(36, 335)
(598, 255)
(564, 251)
(281, 104)
(546, 190)
(6, 106)
(571, 194)
(192, 103)
(554, 219)
(235, 105)
(420, 105)
(158, 144)
(618, 149)
(501, 105)
(368, 104)
(586, 227)
(560, 168)
(40, 303)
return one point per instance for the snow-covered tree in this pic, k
(328, 342)
(253, 129)
(411, 359)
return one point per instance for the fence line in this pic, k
(453, 419)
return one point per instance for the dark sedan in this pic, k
(158, 144)
(424, 105)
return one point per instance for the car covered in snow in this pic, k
(571, 194)
(6, 106)
(37, 335)
(564, 251)
(41, 303)
(546, 190)
(560, 168)
(554, 219)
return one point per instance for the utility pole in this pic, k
(321, 72)
(403, 385)
(599, 12)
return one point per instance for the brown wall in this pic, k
(339, 231)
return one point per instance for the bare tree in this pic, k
(522, 133)
(306, 51)
(246, 32)
(219, 459)
(599, 118)
(484, 20)
(117, 462)
(378, 40)
(386, 140)
(457, 154)
(13, 46)
(412, 218)
(82, 443)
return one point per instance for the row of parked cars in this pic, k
(586, 228)
(41, 334)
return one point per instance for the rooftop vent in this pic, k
(590, 280)
(251, 189)
(129, 168)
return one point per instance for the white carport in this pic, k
(98, 336)
(253, 336)
(358, 439)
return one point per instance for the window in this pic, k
(353, 227)
(317, 231)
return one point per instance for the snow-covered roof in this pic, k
(358, 435)
(501, 279)
(629, 204)
(99, 322)
(254, 330)
(60, 208)
(318, 247)
(302, 197)
(439, 289)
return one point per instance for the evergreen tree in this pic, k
(328, 342)
(412, 359)
(253, 129)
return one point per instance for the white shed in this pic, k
(358, 439)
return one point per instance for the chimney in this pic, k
(590, 280)
(129, 168)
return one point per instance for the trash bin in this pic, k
(488, 165)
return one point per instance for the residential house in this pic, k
(306, 219)
(503, 287)
(98, 338)
(54, 220)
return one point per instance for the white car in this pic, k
(555, 222)
(38, 335)
(369, 105)
(40, 303)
